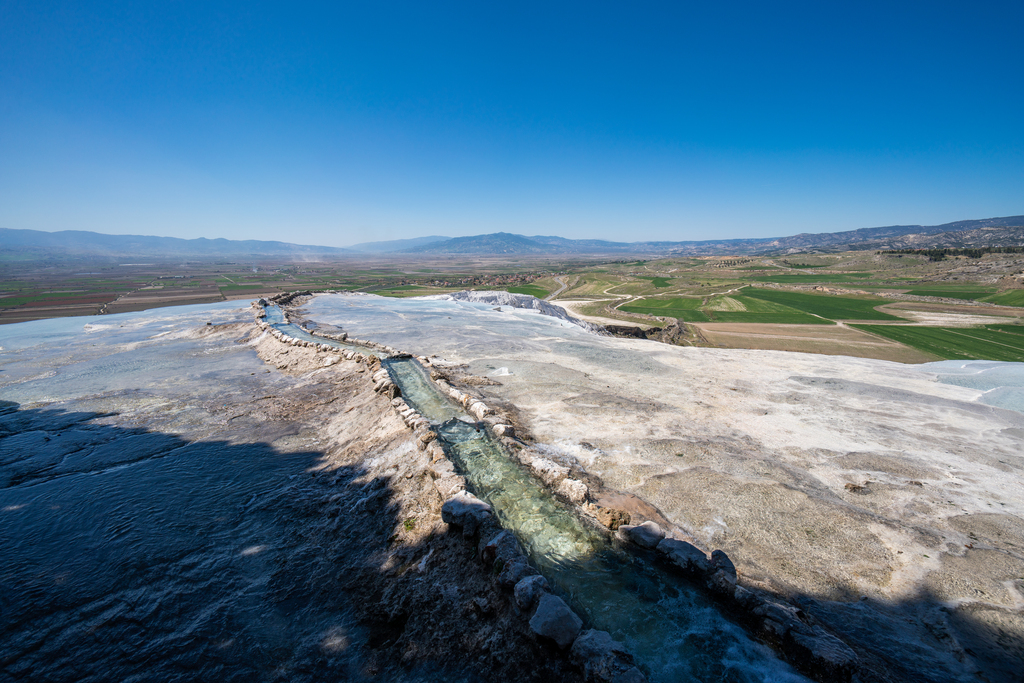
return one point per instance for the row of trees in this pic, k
(939, 254)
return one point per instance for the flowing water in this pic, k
(674, 631)
(276, 319)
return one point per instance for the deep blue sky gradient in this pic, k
(338, 123)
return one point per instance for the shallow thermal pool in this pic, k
(1002, 383)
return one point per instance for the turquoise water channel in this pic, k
(275, 318)
(675, 632)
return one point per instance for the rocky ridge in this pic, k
(525, 301)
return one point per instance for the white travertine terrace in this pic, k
(878, 495)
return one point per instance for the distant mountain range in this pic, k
(948, 234)
(80, 242)
(1010, 236)
(1005, 231)
(397, 245)
(874, 238)
(507, 243)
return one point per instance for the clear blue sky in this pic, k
(337, 123)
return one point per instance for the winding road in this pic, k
(562, 287)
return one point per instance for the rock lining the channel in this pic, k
(798, 637)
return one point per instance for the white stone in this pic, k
(573, 490)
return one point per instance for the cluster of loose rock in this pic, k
(602, 658)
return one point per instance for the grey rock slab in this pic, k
(721, 561)
(501, 430)
(823, 655)
(478, 410)
(646, 535)
(779, 612)
(528, 591)
(594, 643)
(573, 490)
(502, 547)
(442, 468)
(513, 572)
(467, 511)
(450, 485)
(549, 472)
(746, 599)
(553, 620)
(604, 659)
(723, 583)
(685, 555)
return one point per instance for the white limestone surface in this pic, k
(885, 499)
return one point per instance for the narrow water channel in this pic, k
(275, 318)
(675, 633)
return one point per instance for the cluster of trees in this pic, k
(469, 280)
(939, 254)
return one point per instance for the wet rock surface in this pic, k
(611, 517)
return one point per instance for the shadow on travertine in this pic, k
(987, 644)
(130, 554)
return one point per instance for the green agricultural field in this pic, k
(969, 292)
(831, 307)
(1012, 297)
(1017, 329)
(593, 285)
(957, 343)
(676, 307)
(252, 285)
(737, 308)
(725, 303)
(532, 290)
(658, 282)
(761, 311)
(810, 278)
(42, 298)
